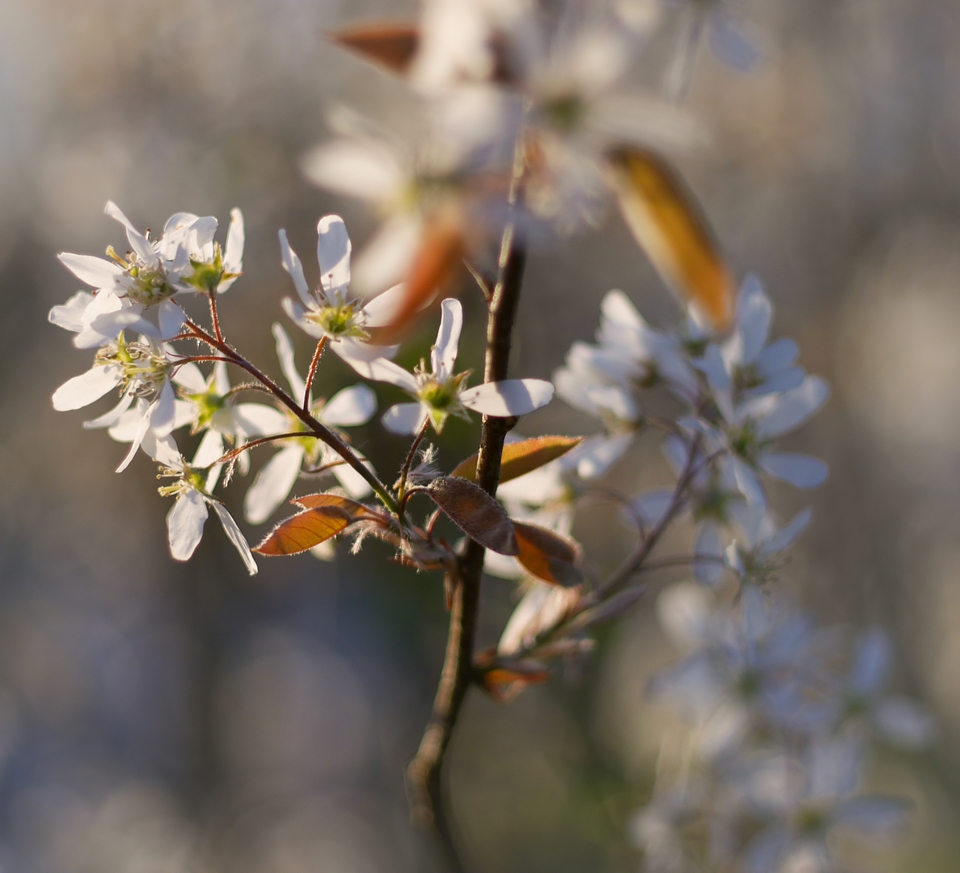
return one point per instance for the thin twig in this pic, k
(401, 486)
(215, 315)
(646, 546)
(319, 430)
(321, 344)
(239, 450)
(424, 786)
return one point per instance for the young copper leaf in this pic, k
(355, 510)
(390, 45)
(504, 685)
(547, 555)
(669, 226)
(305, 530)
(522, 457)
(434, 265)
(476, 513)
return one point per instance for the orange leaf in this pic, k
(504, 685)
(668, 224)
(548, 555)
(305, 530)
(390, 45)
(320, 501)
(434, 265)
(476, 513)
(520, 458)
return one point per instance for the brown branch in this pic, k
(424, 773)
(317, 429)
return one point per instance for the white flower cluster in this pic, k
(779, 732)
(163, 390)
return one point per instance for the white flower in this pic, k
(214, 269)
(756, 557)
(142, 371)
(753, 368)
(331, 311)
(745, 432)
(898, 720)
(757, 666)
(810, 801)
(149, 275)
(438, 187)
(205, 405)
(440, 392)
(347, 408)
(727, 37)
(193, 487)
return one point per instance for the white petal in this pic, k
(794, 408)
(233, 252)
(871, 661)
(163, 450)
(108, 419)
(138, 242)
(333, 252)
(788, 534)
(598, 454)
(209, 450)
(354, 484)
(358, 168)
(509, 397)
(354, 350)
(386, 258)
(871, 813)
(380, 370)
(405, 418)
(298, 314)
(748, 482)
(619, 309)
(350, 407)
(684, 613)
(291, 263)
(163, 411)
(779, 354)
(190, 377)
(124, 430)
(171, 318)
(904, 723)
(235, 536)
(287, 363)
(96, 272)
(70, 315)
(273, 484)
(710, 544)
(443, 355)
(142, 429)
(801, 471)
(754, 313)
(383, 308)
(255, 419)
(185, 524)
(84, 389)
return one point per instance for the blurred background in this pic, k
(165, 718)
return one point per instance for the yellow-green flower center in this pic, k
(143, 369)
